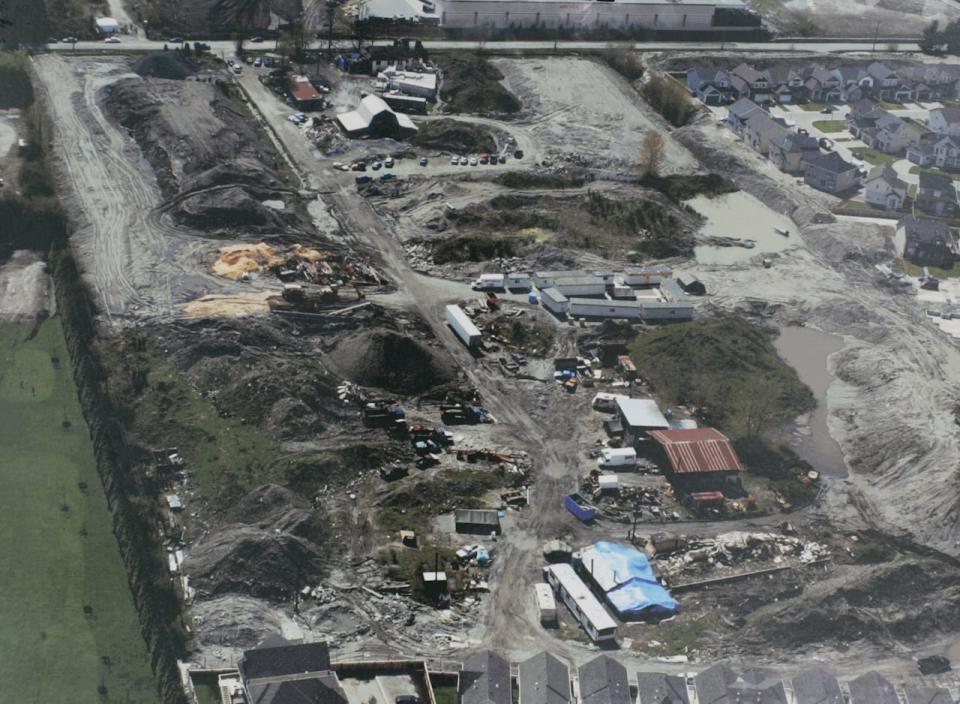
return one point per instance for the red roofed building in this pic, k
(304, 94)
(700, 459)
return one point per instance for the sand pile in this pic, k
(390, 361)
(229, 306)
(235, 260)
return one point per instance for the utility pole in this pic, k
(876, 36)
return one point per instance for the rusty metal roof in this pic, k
(698, 450)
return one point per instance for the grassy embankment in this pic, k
(68, 621)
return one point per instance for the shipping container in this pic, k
(463, 327)
(517, 280)
(554, 301)
(579, 507)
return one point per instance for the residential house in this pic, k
(786, 84)
(823, 85)
(755, 687)
(872, 688)
(831, 173)
(894, 136)
(945, 121)
(288, 673)
(855, 83)
(946, 153)
(863, 115)
(926, 695)
(712, 684)
(748, 82)
(738, 113)
(816, 686)
(936, 194)
(931, 82)
(759, 129)
(485, 679)
(710, 85)
(544, 679)
(884, 82)
(922, 153)
(884, 189)
(659, 688)
(789, 151)
(603, 680)
(927, 242)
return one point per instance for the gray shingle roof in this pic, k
(292, 659)
(604, 681)
(935, 182)
(817, 686)
(712, 684)
(544, 679)
(659, 688)
(926, 695)
(925, 230)
(485, 679)
(831, 162)
(872, 688)
(742, 108)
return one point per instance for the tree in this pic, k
(651, 154)
(932, 39)
(758, 406)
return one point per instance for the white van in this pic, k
(618, 457)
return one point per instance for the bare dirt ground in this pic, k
(137, 264)
(840, 18)
(26, 290)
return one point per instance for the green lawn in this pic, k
(830, 126)
(872, 156)
(919, 169)
(912, 269)
(67, 620)
(859, 208)
(815, 107)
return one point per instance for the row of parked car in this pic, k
(492, 159)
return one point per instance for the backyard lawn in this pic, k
(830, 126)
(919, 169)
(912, 269)
(816, 107)
(872, 156)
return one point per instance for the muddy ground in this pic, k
(267, 394)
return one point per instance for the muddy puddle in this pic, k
(740, 216)
(807, 350)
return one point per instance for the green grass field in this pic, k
(874, 156)
(67, 620)
(830, 126)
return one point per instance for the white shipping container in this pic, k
(464, 328)
(574, 288)
(554, 301)
(592, 308)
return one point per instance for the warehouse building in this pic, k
(700, 459)
(374, 117)
(639, 416)
(688, 15)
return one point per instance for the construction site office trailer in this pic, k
(464, 328)
(585, 607)
(554, 301)
(546, 604)
(599, 308)
(657, 310)
(547, 279)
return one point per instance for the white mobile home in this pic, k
(664, 310)
(546, 279)
(602, 308)
(581, 286)
(585, 607)
(646, 277)
(554, 301)
(517, 279)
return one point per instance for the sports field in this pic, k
(68, 628)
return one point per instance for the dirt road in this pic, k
(138, 264)
(26, 290)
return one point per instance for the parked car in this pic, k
(258, 62)
(388, 162)
(454, 160)
(827, 111)
(376, 166)
(363, 179)
(503, 159)
(407, 699)
(423, 161)
(473, 161)
(237, 69)
(464, 161)
(484, 158)
(70, 40)
(359, 166)
(803, 132)
(826, 144)
(112, 40)
(249, 60)
(256, 40)
(387, 177)
(517, 153)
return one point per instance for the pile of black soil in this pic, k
(473, 85)
(478, 248)
(681, 187)
(231, 209)
(172, 65)
(533, 180)
(390, 361)
(453, 136)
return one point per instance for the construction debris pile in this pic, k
(624, 504)
(241, 262)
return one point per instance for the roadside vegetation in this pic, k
(668, 97)
(625, 62)
(682, 187)
(472, 85)
(74, 17)
(534, 180)
(728, 368)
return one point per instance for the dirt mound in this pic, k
(473, 85)
(231, 209)
(454, 136)
(390, 361)
(166, 64)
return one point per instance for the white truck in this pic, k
(618, 457)
(488, 282)
(463, 327)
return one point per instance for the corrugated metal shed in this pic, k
(698, 450)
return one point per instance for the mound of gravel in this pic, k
(166, 64)
(390, 361)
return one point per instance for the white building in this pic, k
(422, 85)
(691, 15)
(107, 25)
(584, 606)
(554, 301)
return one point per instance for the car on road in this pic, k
(387, 176)
(112, 40)
(376, 166)
(473, 161)
(517, 153)
(256, 40)
(423, 161)
(363, 179)
(258, 62)
(407, 699)
(175, 40)
(70, 40)
(388, 162)
(826, 111)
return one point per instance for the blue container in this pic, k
(532, 298)
(579, 507)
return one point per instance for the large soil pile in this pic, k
(172, 65)
(473, 85)
(454, 136)
(390, 361)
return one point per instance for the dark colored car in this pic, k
(518, 154)
(363, 179)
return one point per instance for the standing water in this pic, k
(68, 627)
(807, 350)
(740, 216)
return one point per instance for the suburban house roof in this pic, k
(925, 230)
(742, 108)
(790, 142)
(850, 73)
(832, 162)
(888, 174)
(323, 689)
(757, 690)
(603, 680)
(659, 688)
(544, 679)
(951, 115)
(698, 450)
(947, 139)
(817, 686)
(641, 413)
(485, 679)
(292, 659)
(762, 123)
(872, 688)
(824, 75)
(926, 695)
(930, 181)
(712, 684)
(748, 73)
(878, 70)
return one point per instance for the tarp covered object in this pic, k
(628, 581)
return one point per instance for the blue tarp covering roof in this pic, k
(628, 581)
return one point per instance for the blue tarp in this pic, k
(631, 586)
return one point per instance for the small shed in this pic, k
(477, 521)
(692, 285)
(174, 502)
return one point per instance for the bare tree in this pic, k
(651, 154)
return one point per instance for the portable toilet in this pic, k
(532, 298)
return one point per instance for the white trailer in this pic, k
(464, 328)
(601, 308)
(553, 301)
(546, 279)
(581, 286)
(488, 282)
(625, 457)
(646, 277)
(517, 280)
(585, 607)
(546, 604)
(664, 310)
